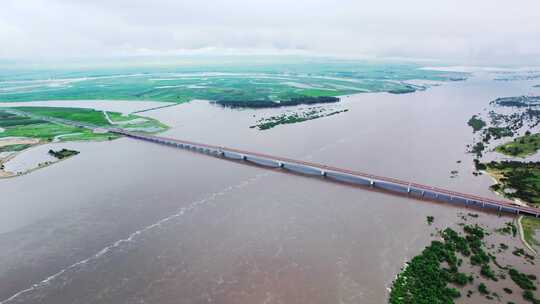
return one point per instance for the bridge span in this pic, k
(386, 184)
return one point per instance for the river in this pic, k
(133, 222)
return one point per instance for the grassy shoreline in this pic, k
(522, 146)
(32, 126)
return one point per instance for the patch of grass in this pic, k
(531, 226)
(86, 134)
(521, 146)
(119, 117)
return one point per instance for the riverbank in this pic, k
(27, 127)
(9, 153)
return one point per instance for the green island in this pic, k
(521, 146)
(64, 153)
(306, 100)
(295, 117)
(476, 123)
(435, 275)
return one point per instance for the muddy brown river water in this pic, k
(132, 222)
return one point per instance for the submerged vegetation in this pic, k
(476, 123)
(508, 229)
(517, 101)
(435, 275)
(307, 100)
(427, 277)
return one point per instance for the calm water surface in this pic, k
(132, 222)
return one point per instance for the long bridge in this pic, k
(387, 184)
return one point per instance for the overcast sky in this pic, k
(460, 31)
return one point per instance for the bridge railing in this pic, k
(373, 177)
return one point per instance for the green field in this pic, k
(521, 146)
(76, 114)
(260, 80)
(531, 230)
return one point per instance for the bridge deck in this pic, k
(344, 175)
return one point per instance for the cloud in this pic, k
(480, 31)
